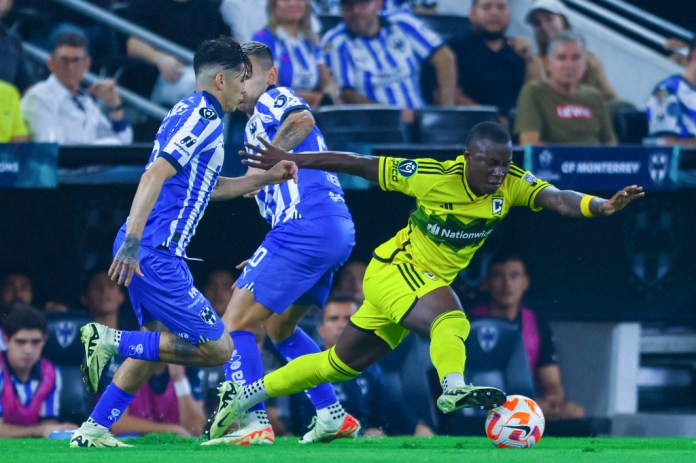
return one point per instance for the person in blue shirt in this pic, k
(312, 235)
(182, 175)
(295, 46)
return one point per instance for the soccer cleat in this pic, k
(324, 432)
(482, 397)
(252, 434)
(228, 410)
(98, 352)
(80, 439)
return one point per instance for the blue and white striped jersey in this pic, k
(317, 193)
(388, 6)
(50, 408)
(191, 139)
(672, 108)
(297, 58)
(384, 68)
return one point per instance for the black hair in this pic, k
(24, 318)
(224, 52)
(72, 38)
(492, 131)
(261, 51)
(342, 297)
(503, 257)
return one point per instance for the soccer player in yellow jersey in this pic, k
(406, 284)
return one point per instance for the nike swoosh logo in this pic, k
(526, 429)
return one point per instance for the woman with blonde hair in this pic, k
(295, 47)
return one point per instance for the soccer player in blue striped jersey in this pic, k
(311, 235)
(180, 178)
(377, 59)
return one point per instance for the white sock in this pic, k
(333, 412)
(258, 417)
(453, 380)
(253, 394)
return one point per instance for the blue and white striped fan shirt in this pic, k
(50, 408)
(384, 68)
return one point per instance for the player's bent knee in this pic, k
(217, 352)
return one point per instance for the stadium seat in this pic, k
(75, 402)
(450, 125)
(63, 346)
(343, 125)
(630, 125)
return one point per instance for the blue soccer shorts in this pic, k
(296, 262)
(166, 293)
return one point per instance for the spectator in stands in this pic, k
(368, 71)
(672, 105)
(17, 290)
(350, 280)
(14, 68)
(366, 396)
(218, 289)
(29, 384)
(490, 67)
(103, 298)
(170, 401)
(548, 18)
(58, 110)
(562, 109)
(12, 126)
(333, 7)
(296, 51)
(184, 22)
(506, 284)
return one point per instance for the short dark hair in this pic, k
(488, 130)
(24, 318)
(224, 52)
(503, 257)
(71, 38)
(261, 51)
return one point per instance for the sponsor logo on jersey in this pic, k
(407, 168)
(497, 206)
(208, 113)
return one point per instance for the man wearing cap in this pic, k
(377, 59)
(548, 18)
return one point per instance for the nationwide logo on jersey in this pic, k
(450, 231)
(280, 101)
(497, 206)
(208, 113)
(407, 168)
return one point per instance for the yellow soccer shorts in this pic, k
(391, 290)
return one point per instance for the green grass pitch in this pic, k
(171, 449)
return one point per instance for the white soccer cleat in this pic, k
(81, 439)
(326, 432)
(254, 430)
(99, 349)
(481, 397)
(228, 410)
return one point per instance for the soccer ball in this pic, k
(519, 422)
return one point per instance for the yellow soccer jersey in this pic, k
(450, 223)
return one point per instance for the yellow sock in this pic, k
(307, 371)
(447, 335)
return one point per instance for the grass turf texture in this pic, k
(173, 449)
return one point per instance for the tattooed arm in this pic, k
(296, 126)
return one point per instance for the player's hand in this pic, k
(621, 199)
(282, 172)
(242, 264)
(126, 262)
(264, 158)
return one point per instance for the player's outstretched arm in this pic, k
(574, 204)
(125, 262)
(350, 163)
(233, 187)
